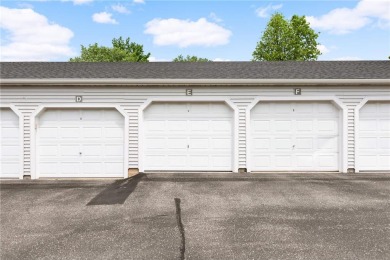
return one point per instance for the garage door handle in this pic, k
(293, 147)
(80, 153)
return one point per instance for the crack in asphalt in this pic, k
(181, 229)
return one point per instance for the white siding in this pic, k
(131, 98)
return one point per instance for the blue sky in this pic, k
(217, 30)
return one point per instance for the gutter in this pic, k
(204, 82)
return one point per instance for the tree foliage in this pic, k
(189, 58)
(121, 50)
(287, 40)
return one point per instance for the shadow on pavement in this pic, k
(118, 192)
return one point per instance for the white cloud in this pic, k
(215, 18)
(31, 37)
(103, 17)
(26, 6)
(78, 2)
(323, 49)
(120, 9)
(154, 59)
(221, 59)
(139, 1)
(184, 33)
(264, 12)
(348, 58)
(346, 20)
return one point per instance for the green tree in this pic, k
(287, 40)
(121, 50)
(189, 58)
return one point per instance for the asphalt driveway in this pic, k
(258, 216)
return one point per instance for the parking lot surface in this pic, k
(198, 216)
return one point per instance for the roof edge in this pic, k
(225, 82)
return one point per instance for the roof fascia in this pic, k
(224, 82)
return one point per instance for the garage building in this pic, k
(72, 120)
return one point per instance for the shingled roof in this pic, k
(198, 70)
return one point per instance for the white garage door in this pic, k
(288, 136)
(188, 137)
(374, 137)
(10, 157)
(80, 143)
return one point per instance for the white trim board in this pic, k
(21, 143)
(357, 124)
(41, 108)
(343, 146)
(169, 82)
(189, 99)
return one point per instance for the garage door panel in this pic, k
(261, 143)
(8, 169)
(327, 126)
(193, 135)
(262, 162)
(327, 143)
(70, 150)
(221, 161)
(48, 150)
(113, 150)
(200, 161)
(282, 126)
(91, 132)
(10, 152)
(92, 150)
(69, 115)
(283, 160)
(177, 143)
(220, 110)
(199, 126)
(384, 143)
(70, 167)
(92, 167)
(327, 108)
(261, 126)
(327, 160)
(49, 132)
(177, 126)
(282, 108)
(155, 126)
(368, 125)
(367, 142)
(305, 160)
(199, 143)
(113, 132)
(222, 144)
(222, 126)
(79, 142)
(374, 137)
(69, 132)
(384, 161)
(384, 125)
(47, 168)
(156, 160)
(304, 126)
(282, 143)
(9, 132)
(302, 108)
(155, 143)
(304, 144)
(294, 135)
